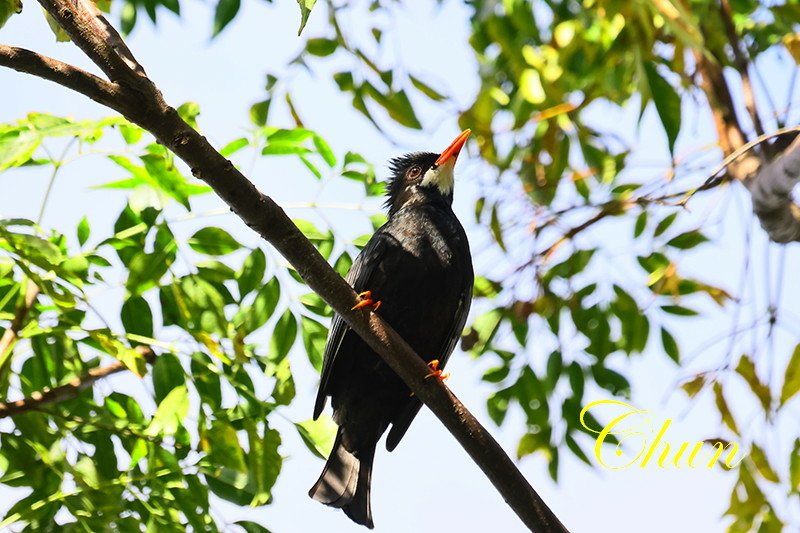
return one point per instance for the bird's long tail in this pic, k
(345, 481)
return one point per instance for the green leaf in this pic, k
(285, 149)
(265, 463)
(224, 14)
(532, 442)
(664, 224)
(611, 380)
(163, 176)
(794, 467)
(762, 464)
(38, 251)
(137, 318)
(497, 231)
(222, 446)
(284, 391)
(252, 272)
(678, 310)
(8, 8)
(83, 231)
(206, 379)
(670, 346)
(59, 33)
(747, 369)
(170, 413)
(667, 101)
(315, 304)
(426, 89)
(324, 150)
(283, 336)
(687, 240)
(305, 11)
(396, 104)
(263, 306)
(572, 444)
(321, 47)
(497, 405)
(314, 337)
(130, 134)
(145, 270)
(641, 224)
(234, 146)
(695, 385)
(259, 112)
(791, 378)
(318, 435)
(189, 111)
(724, 410)
(213, 241)
(251, 527)
(168, 374)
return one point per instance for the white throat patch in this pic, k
(441, 177)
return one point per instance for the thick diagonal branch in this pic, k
(69, 390)
(141, 102)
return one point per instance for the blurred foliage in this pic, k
(552, 172)
(202, 423)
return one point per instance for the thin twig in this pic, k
(71, 389)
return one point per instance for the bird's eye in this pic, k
(414, 172)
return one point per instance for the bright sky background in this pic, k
(428, 484)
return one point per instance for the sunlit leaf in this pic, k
(667, 102)
(305, 11)
(791, 377)
(318, 435)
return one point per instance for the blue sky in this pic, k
(428, 483)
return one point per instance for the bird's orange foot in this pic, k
(435, 371)
(366, 301)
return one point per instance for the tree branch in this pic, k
(69, 390)
(53, 70)
(92, 33)
(141, 102)
(730, 133)
(742, 65)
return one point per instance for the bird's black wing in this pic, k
(358, 277)
(401, 423)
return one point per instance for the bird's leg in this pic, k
(366, 301)
(434, 366)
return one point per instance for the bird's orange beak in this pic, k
(454, 148)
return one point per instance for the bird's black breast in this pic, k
(418, 265)
(420, 282)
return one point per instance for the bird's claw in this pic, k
(435, 371)
(366, 301)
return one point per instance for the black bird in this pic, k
(418, 266)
